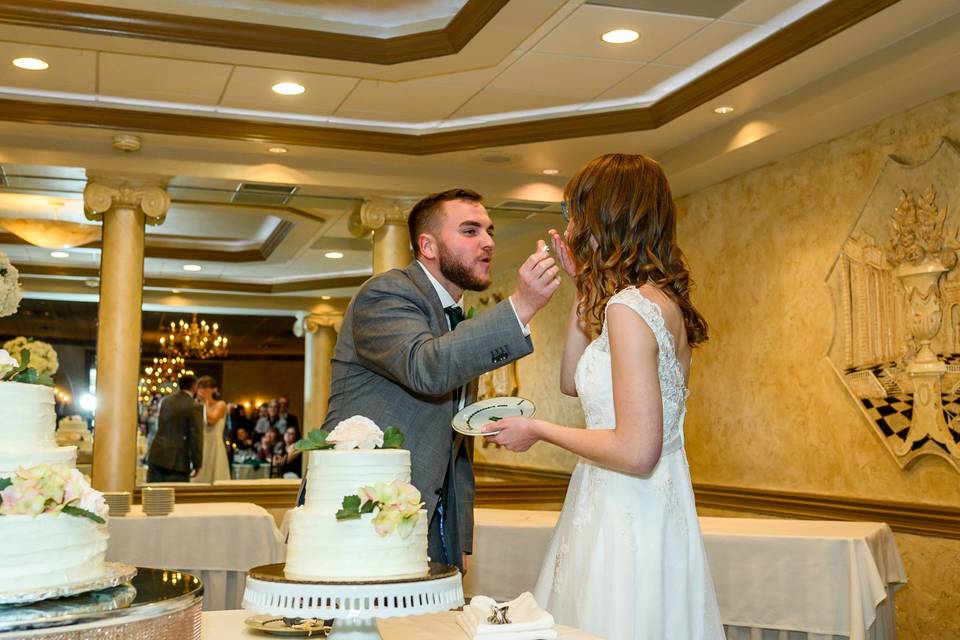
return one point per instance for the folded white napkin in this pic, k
(527, 620)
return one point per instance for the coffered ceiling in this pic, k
(513, 89)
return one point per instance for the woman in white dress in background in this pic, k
(626, 560)
(215, 463)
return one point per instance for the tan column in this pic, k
(123, 207)
(320, 340)
(391, 240)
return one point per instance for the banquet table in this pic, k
(775, 579)
(228, 625)
(219, 541)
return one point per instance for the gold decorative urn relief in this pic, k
(896, 295)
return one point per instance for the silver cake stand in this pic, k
(354, 606)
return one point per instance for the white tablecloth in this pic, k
(219, 541)
(822, 579)
(228, 625)
(248, 472)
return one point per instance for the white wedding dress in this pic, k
(627, 558)
(215, 465)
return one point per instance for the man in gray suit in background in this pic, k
(177, 449)
(399, 361)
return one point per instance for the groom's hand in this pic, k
(537, 281)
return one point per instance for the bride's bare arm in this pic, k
(577, 339)
(578, 333)
(216, 411)
(634, 444)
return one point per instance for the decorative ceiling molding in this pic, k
(250, 36)
(203, 285)
(259, 254)
(812, 29)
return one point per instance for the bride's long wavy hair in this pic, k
(623, 233)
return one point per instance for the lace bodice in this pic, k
(595, 383)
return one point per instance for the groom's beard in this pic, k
(453, 269)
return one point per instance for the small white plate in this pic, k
(471, 419)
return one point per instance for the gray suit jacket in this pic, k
(397, 363)
(178, 444)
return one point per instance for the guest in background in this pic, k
(242, 440)
(270, 445)
(283, 403)
(177, 449)
(272, 419)
(215, 463)
(288, 461)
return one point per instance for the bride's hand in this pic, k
(563, 253)
(516, 433)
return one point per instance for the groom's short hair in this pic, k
(424, 215)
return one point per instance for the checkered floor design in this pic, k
(894, 413)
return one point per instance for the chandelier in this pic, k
(194, 340)
(160, 377)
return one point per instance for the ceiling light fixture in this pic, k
(620, 36)
(30, 64)
(59, 254)
(550, 172)
(277, 149)
(288, 88)
(723, 109)
(333, 255)
(175, 291)
(324, 297)
(192, 267)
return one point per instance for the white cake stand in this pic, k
(355, 605)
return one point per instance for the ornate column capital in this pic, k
(99, 196)
(376, 212)
(311, 323)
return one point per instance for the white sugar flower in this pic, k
(7, 363)
(357, 432)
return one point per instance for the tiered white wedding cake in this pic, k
(72, 430)
(362, 519)
(52, 523)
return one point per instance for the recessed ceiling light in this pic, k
(277, 149)
(59, 254)
(620, 36)
(30, 64)
(175, 291)
(550, 172)
(723, 109)
(324, 297)
(334, 255)
(288, 88)
(192, 267)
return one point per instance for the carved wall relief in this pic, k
(896, 295)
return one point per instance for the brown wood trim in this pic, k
(204, 285)
(811, 30)
(514, 488)
(249, 36)
(903, 517)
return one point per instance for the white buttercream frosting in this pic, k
(47, 550)
(50, 550)
(322, 547)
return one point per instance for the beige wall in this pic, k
(766, 409)
(244, 380)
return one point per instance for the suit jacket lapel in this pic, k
(419, 278)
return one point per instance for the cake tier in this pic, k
(28, 418)
(334, 474)
(10, 461)
(49, 550)
(320, 547)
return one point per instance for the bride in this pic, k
(627, 558)
(215, 464)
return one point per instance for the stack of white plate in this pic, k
(118, 502)
(157, 501)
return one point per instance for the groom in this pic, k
(406, 357)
